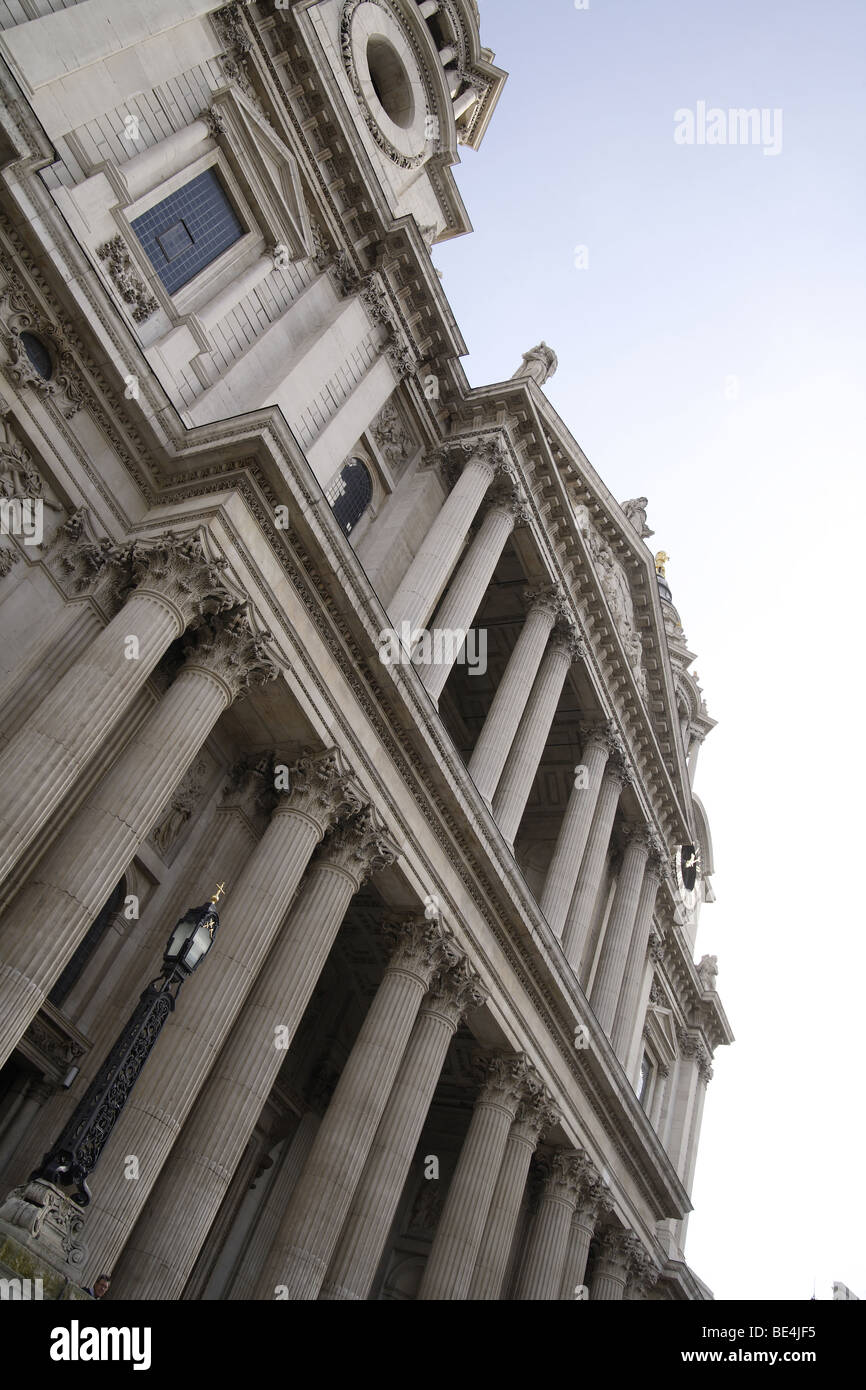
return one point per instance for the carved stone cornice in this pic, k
(229, 649)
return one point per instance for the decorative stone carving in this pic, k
(180, 808)
(635, 510)
(129, 284)
(615, 587)
(457, 991)
(656, 948)
(215, 122)
(550, 597)
(404, 161)
(708, 969)
(418, 946)
(539, 363)
(536, 1115)
(228, 647)
(321, 785)
(178, 568)
(18, 474)
(8, 558)
(42, 1217)
(506, 1078)
(361, 844)
(391, 435)
(642, 1275)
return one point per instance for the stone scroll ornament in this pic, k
(615, 587)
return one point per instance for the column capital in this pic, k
(636, 835)
(617, 1249)
(456, 991)
(419, 946)
(228, 647)
(360, 845)
(178, 570)
(318, 785)
(550, 599)
(594, 1197)
(535, 1116)
(506, 495)
(689, 1045)
(564, 1171)
(453, 455)
(604, 735)
(617, 770)
(657, 857)
(506, 1078)
(565, 640)
(643, 1273)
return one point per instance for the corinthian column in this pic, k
(359, 1249)
(544, 1262)
(174, 581)
(467, 589)
(592, 1200)
(629, 995)
(579, 918)
(617, 1249)
(534, 1116)
(461, 1226)
(51, 915)
(512, 794)
(262, 989)
(432, 567)
(621, 924)
(253, 1258)
(310, 1229)
(513, 691)
(574, 832)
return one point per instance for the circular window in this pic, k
(37, 354)
(390, 82)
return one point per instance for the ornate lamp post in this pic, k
(39, 1215)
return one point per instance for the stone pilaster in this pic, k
(356, 1258)
(174, 581)
(263, 986)
(311, 1226)
(629, 996)
(573, 834)
(508, 704)
(579, 918)
(469, 585)
(534, 1115)
(527, 749)
(429, 572)
(544, 1262)
(461, 1226)
(620, 928)
(50, 916)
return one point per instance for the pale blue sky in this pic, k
(706, 263)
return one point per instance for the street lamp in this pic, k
(76, 1152)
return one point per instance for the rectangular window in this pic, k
(188, 230)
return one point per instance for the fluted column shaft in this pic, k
(512, 794)
(249, 1270)
(461, 1226)
(359, 1249)
(51, 654)
(49, 917)
(579, 919)
(491, 1267)
(629, 995)
(248, 993)
(467, 589)
(544, 1262)
(64, 731)
(573, 834)
(621, 923)
(431, 569)
(577, 1253)
(508, 704)
(310, 1229)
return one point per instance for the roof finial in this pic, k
(220, 889)
(661, 560)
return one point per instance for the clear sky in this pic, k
(711, 357)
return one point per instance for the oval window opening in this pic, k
(37, 354)
(390, 82)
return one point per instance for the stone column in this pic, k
(527, 750)
(620, 927)
(617, 1249)
(509, 702)
(544, 1262)
(467, 589)
(37, 1093)
(705, 1074)
(431, 569)
(574, 832)
(311, 1226)
(579, 918)
(377, 1196)
(629, 995)
(50, 916)
(52, 653)
(255, 997)
(592, 1201)
(534, 1115)
(683, 1099)
(173, 581)
(249, 1269)
(461, 1225)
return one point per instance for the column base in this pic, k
(39, 1246)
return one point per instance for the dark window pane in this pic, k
(187, 231)
(351, 494)
(37, 352)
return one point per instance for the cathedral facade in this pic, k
(288, 607)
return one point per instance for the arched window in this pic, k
(350, 494)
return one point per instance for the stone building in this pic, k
(451, 1041)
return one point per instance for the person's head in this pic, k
(100, 1288)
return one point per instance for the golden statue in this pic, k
(661, 560)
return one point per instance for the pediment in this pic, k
(268, 171)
